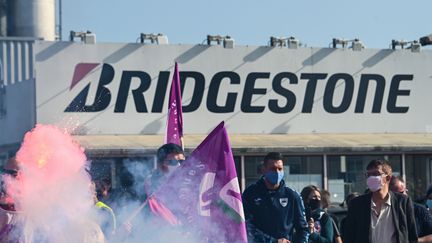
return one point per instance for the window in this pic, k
(252, 173)
(418, 175)
(300, 171)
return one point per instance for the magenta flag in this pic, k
(204, 193)
(174, 128)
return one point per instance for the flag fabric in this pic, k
(160, 210)
(174, 128)
(204, 193)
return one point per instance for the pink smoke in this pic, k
(53, 189)
(50, 153)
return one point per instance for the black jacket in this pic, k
(423, 220)
(358, 221)
(271, 215)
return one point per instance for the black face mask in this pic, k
(314, 204)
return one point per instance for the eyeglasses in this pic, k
(375, 173)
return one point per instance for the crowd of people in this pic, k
(273, 211)
(383, 213)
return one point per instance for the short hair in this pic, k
(166, 149)
(307, 191)
(393, 181)
(272, 156)
(386, 168)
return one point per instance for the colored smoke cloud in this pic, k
(52, 190)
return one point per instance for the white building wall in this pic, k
(17, 95)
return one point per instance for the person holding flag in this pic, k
(169, 157)
(206, 194)
(171, 154)
(274, 211)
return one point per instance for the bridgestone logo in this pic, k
(282, 101)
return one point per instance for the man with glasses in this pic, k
(422, 216)
(380, 215)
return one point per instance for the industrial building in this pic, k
(328, 110)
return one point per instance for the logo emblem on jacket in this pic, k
(283, 201)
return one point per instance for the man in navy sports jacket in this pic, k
(274, 212)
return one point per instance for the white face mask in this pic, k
(374, 183)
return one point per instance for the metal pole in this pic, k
(60, 20)
(242, 173)
(403, 171)
(325, 179)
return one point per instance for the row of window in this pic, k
(343, 174)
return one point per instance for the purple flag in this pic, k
(204, 193)
(174, 128)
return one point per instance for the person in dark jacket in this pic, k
(422, 216)
(169, 158)
(321, 227)
(343, 223)
(273, 211)
(380, 215)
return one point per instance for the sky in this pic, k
(314, 22)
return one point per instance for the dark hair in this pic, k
(166, 149)
(307, 191)
(273, 156)
(393, 181)
(386, 168)
(350, 197)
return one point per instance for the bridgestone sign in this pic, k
(118, 89)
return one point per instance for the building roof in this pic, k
(120, 145)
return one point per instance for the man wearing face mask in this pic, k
(380, 215)
(169, 158)
(274, 211)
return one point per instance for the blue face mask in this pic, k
(274, 177)
(429, 203)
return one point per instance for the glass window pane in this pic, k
(237, 162)
(418, 175)
(252, 173)
(100, 169)
(301, 171)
